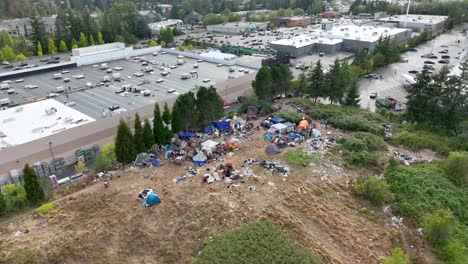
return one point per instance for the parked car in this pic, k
(444, 61)
(413, 50)
(443, 51)
(429, 62)
(373, 95)
(444, 46)
(413, 71)
(429, 67)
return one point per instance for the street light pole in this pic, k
(51, 151)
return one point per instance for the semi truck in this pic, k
(406, 79)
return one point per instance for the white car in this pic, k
(444, 46)
(118, 68)
(206, 80)
(172, 67)
(80, 76)
(220, 65)
(159, 80)
(199, 61)
(52, 95)
(155, 54)
(138, 74)
(164, 73)
(65, 71)
(30, 86)
(89, 85)
(163, 52)
(180, 56)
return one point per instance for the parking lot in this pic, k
(34, 62)
(390, 84)
(96, 101)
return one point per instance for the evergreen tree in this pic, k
(148, 137)
(62, 28)
(158, 126)
(91, 40)
(139, 143)
(186, 114)
(100, 39)
(74, 44)
(176, 122)
(39, 50)
(38, 32)
(316, 81)
(209, 106)
(51, 48)
(166, 116)
(125, 149)
(3, 206)
(83, 40)
(352, 97)
(334, 83)
(262, 84)
(281, 79)
(34, 191)
(420, 98)
(153, 43)
(63, 47)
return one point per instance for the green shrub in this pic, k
(45, 208)
(259, 242)
(292, 116)
(359, 147)
(300, 158)
(375, 190)
(264, 107)
(438, 226)
(397, 257)
(456, 167)
(15, 197)
(453, 252)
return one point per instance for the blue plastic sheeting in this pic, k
(186, 134)
(199, 162)
(277, 119)
(155, 162)
(152, 199)
(267, 137)
(224, 125)
(208, 129)
(169, 148)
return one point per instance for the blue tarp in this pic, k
(169, 148)
(277, 119)
(155, 162)
(224, 125)
(186, 134)
(152, 199)
(267, 137)
(208, 129)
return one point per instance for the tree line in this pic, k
(439, 100)
(225, 16)
(190, 112)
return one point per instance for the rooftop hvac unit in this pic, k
(51, 111)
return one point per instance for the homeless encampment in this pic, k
(150, 198)
(200, 159)
(272, 149)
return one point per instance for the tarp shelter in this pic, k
(199, 159)
(209, 129)
(223, 125)
(186, 134)
(289, 126)
(272, 130)
(277, 119)
(141, 159)
(303, 125)
(281, 128)
(268, 137)
(209, 145)
(272, 149)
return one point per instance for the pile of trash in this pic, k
(319, 145)
(408, 159)
(276, 167)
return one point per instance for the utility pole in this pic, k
(51, 151)
(407, 12)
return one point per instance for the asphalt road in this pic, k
(390, 85)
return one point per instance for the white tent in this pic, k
(209, 145)
(281, 128)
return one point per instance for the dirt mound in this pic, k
(98, 225)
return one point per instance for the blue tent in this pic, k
(186, 134)
(277, 119)
(223, 125)
(152, 199)
(169, 148)
(267, 137)
(155, 162)
(200, 159)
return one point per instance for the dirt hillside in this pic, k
(313, 204)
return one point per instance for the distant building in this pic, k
(417, 22)
(236, 28)
(365, 16)
(295, 21)
(21, 26)
(193, 18)
(379, 15)
(331, 39)
(170, 23)
(331, 14)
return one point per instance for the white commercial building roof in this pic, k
(426, 19)
(32, 121)
(336, 35)
(217, 55)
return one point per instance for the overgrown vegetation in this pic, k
(417, 138)
(397, 257)
(263, 107)
(359, 148)
(292, 116)
(23, 256)
(45, 208)
(375, 190)
(426, 193)
(259, 242)
(456, 167)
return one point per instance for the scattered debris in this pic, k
(408, 159)
(320, 145)
(395, 221)
(275, 167)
